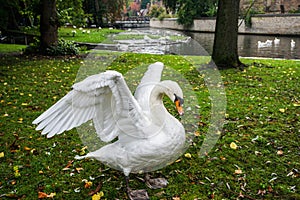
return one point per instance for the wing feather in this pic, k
(104, 98)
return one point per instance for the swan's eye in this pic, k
(178, 103)
(180, 100)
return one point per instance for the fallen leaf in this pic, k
(68, 165)
(78, 169)
(51, 195)
(296, 104)
(1, 154)
(97, 196)
(88, 184)
(282, 110)
(187, 155)
(238, 171)
(233, 145)
(42, 195)
(27, 148)
(98, 188)
(279, 152)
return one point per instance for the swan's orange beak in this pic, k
(179, 107)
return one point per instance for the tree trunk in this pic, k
(225, 51)
(48, 24)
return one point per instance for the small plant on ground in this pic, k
(63, 47)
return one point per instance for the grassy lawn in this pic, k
(11, 48)
(262, 120)
(86, 35)
(81, 35)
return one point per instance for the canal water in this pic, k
(248, 45)
(161, 41)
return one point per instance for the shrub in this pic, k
(157, 12)
(63, 47)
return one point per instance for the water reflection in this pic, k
(248, 45)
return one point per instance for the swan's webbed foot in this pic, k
(136, 194)
(155, 183)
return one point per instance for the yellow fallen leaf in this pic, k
(78, 169)
(187, 155)
(98, 196)
(233, 145)
(51, 195)
(238, 171)
(282, 110)
(296, 104)
(1, 154)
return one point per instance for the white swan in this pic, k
(267, 43)
(293, 44)
(148, 136)
(276, 41)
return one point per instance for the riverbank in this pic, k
(285, 24)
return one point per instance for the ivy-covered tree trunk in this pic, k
(225, 50)
(48, 24)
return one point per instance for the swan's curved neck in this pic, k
(157, 108)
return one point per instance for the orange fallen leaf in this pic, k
(88, 184)
(27, 148)
(42, 195)
(68, 165)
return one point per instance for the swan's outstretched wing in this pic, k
(153, 74)
(104, 98)
(151, 77)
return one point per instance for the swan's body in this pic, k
(276, 41)
(148, 137)
(293, 44)
(267, 43)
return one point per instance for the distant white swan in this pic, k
(267, 43)
(293, 44)
(148, 136)
(276, 41)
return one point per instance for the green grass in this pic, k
(86, 35)
(262, 119)
(94, 36)
(11, 48)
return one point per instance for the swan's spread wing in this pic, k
(104, 98)
(151, 77)
(153, 74)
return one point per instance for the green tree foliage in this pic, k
(191, 9)
(71, 11)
